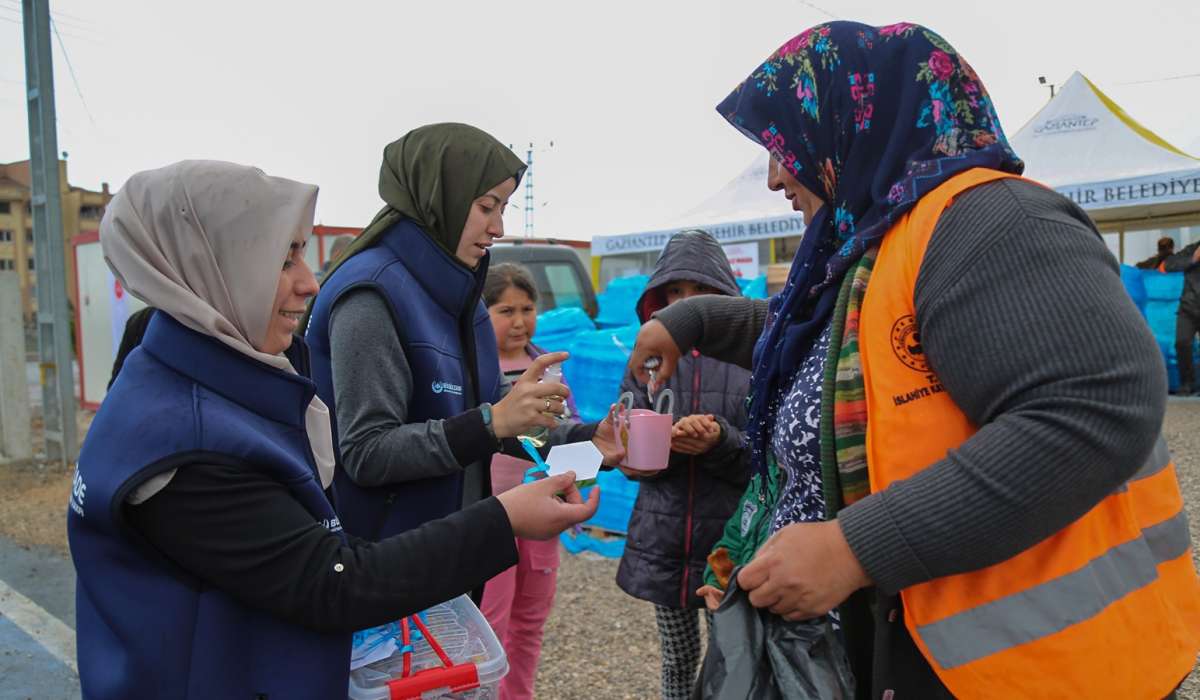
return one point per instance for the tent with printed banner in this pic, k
(742, 212)
(744, 199)
(1129, 180)
(1126, 177)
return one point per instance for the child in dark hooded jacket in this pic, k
(680, 512)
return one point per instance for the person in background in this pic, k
(1187, 319)
(1166, 248)
(403, 347)
(518, 601)
(210, 560)
(964, 405)
(340, 244)
(680, 511)
(135, 329)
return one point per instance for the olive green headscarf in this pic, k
(431, 175)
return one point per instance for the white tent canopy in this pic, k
(743, 210)
(1125, 176)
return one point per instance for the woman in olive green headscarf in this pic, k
(403, 348)
(433, 175)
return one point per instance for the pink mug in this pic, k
(645, 434)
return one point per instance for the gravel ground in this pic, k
(602, 644)
(1183, 435)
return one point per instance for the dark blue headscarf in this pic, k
(870, 120)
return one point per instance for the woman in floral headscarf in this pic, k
(953, 399)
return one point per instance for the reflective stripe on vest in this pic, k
(1053, 606)
(1109, 606)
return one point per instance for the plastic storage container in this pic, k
(456, 657)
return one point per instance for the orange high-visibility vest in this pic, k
(1108, 607)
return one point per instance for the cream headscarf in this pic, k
(204, 241)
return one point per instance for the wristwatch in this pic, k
(485, 409)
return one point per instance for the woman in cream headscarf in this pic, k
(211, 562)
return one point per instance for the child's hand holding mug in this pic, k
(695, 435)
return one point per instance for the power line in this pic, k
(71, 70)
(822, 10)
(55, 13)
(80, 25)
(1162, 80)
(19, 23)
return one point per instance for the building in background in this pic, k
(82, 210)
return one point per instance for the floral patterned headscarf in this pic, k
(870, 120)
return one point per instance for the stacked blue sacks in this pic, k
(1157, 297)
(618, 300)
(558, 328)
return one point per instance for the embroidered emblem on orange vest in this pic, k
(906, 343)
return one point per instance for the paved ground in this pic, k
(599, 642)
(37, 590)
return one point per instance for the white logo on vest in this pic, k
(78, 492)
(444, 387)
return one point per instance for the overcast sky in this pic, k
(624, 88)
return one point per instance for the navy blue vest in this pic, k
(147, 629)
(450, 348)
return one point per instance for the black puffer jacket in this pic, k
(680, 513)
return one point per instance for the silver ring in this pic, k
(547, 405)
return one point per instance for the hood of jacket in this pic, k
(689, 255)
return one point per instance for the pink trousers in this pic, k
(518, 601)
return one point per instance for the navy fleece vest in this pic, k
(450, 348)
(147, 629)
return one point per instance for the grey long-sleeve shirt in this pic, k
(1024, 318)
(373, 389)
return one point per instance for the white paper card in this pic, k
(583, 458)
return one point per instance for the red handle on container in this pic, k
(457, 678)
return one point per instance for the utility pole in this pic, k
(53, 319)
(528, 178)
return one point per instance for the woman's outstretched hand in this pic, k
(653, 340)
(545, 508)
